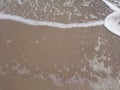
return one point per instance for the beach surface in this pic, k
(51, 58)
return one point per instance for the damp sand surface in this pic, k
(52, 58)
(47, 58)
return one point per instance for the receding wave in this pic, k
(61, 14)
(111, 5)
(112, 21)
(60, 11)
(52, 24)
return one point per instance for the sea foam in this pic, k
(52, 24)
(112, 21)
(111, 6)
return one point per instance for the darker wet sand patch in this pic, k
(41, 57)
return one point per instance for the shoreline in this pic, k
(52, 24)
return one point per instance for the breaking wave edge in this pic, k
(4, 16)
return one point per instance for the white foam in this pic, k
(111, 6)
(47, 23)
(112, 21)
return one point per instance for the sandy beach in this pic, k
(41, 57)
(51, 58)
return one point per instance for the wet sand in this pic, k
(46, 58)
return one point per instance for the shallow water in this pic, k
(65, 11)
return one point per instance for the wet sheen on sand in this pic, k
(41, 57)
